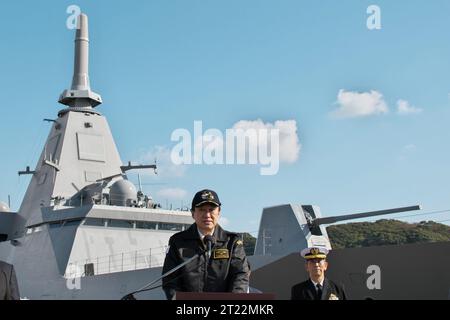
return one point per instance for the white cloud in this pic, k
(404, 108)
(165, 167)
(289, 146)
(359, 104)
(265, 143)
(172, 193)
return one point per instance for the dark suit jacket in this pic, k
(228, 273)
(9, 290)
(306, 291)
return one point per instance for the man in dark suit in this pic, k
(9, 290)
(318, 287)
(222, 268)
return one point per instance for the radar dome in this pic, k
(122, 193)
(4, 207)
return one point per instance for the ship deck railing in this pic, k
(126, 261)
(112, 199)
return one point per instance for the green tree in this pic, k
(249, 243)
(386, 232)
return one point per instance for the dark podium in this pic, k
(223, 296)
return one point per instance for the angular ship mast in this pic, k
(80, 148)
(81, 217)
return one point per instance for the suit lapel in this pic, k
(326, 290)
(312, 290)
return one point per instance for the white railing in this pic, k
(102, 198)
(127, 261)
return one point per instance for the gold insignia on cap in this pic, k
(221, 254)
(239, 242)
(207, 195)
(314, 253)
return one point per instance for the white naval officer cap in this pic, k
(314, 253)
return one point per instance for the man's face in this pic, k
(316, 268)
(206, 217)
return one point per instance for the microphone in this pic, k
(210, 242)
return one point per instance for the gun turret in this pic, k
(327, 220)
(292, 227)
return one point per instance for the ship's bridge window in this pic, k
(171, 226)
(120, 224)
(96, 222)
(71, 223)
(146, 225)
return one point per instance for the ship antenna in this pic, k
(139, 182)
(80, 94)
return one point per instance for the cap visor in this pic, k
(316, 256)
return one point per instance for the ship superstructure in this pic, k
(81, 217)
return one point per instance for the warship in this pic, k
(84, 231)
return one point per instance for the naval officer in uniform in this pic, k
(317, 287)
(9, 290)
(221, 265)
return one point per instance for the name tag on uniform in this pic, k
(221, 254)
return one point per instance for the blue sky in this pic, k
(161, 65)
